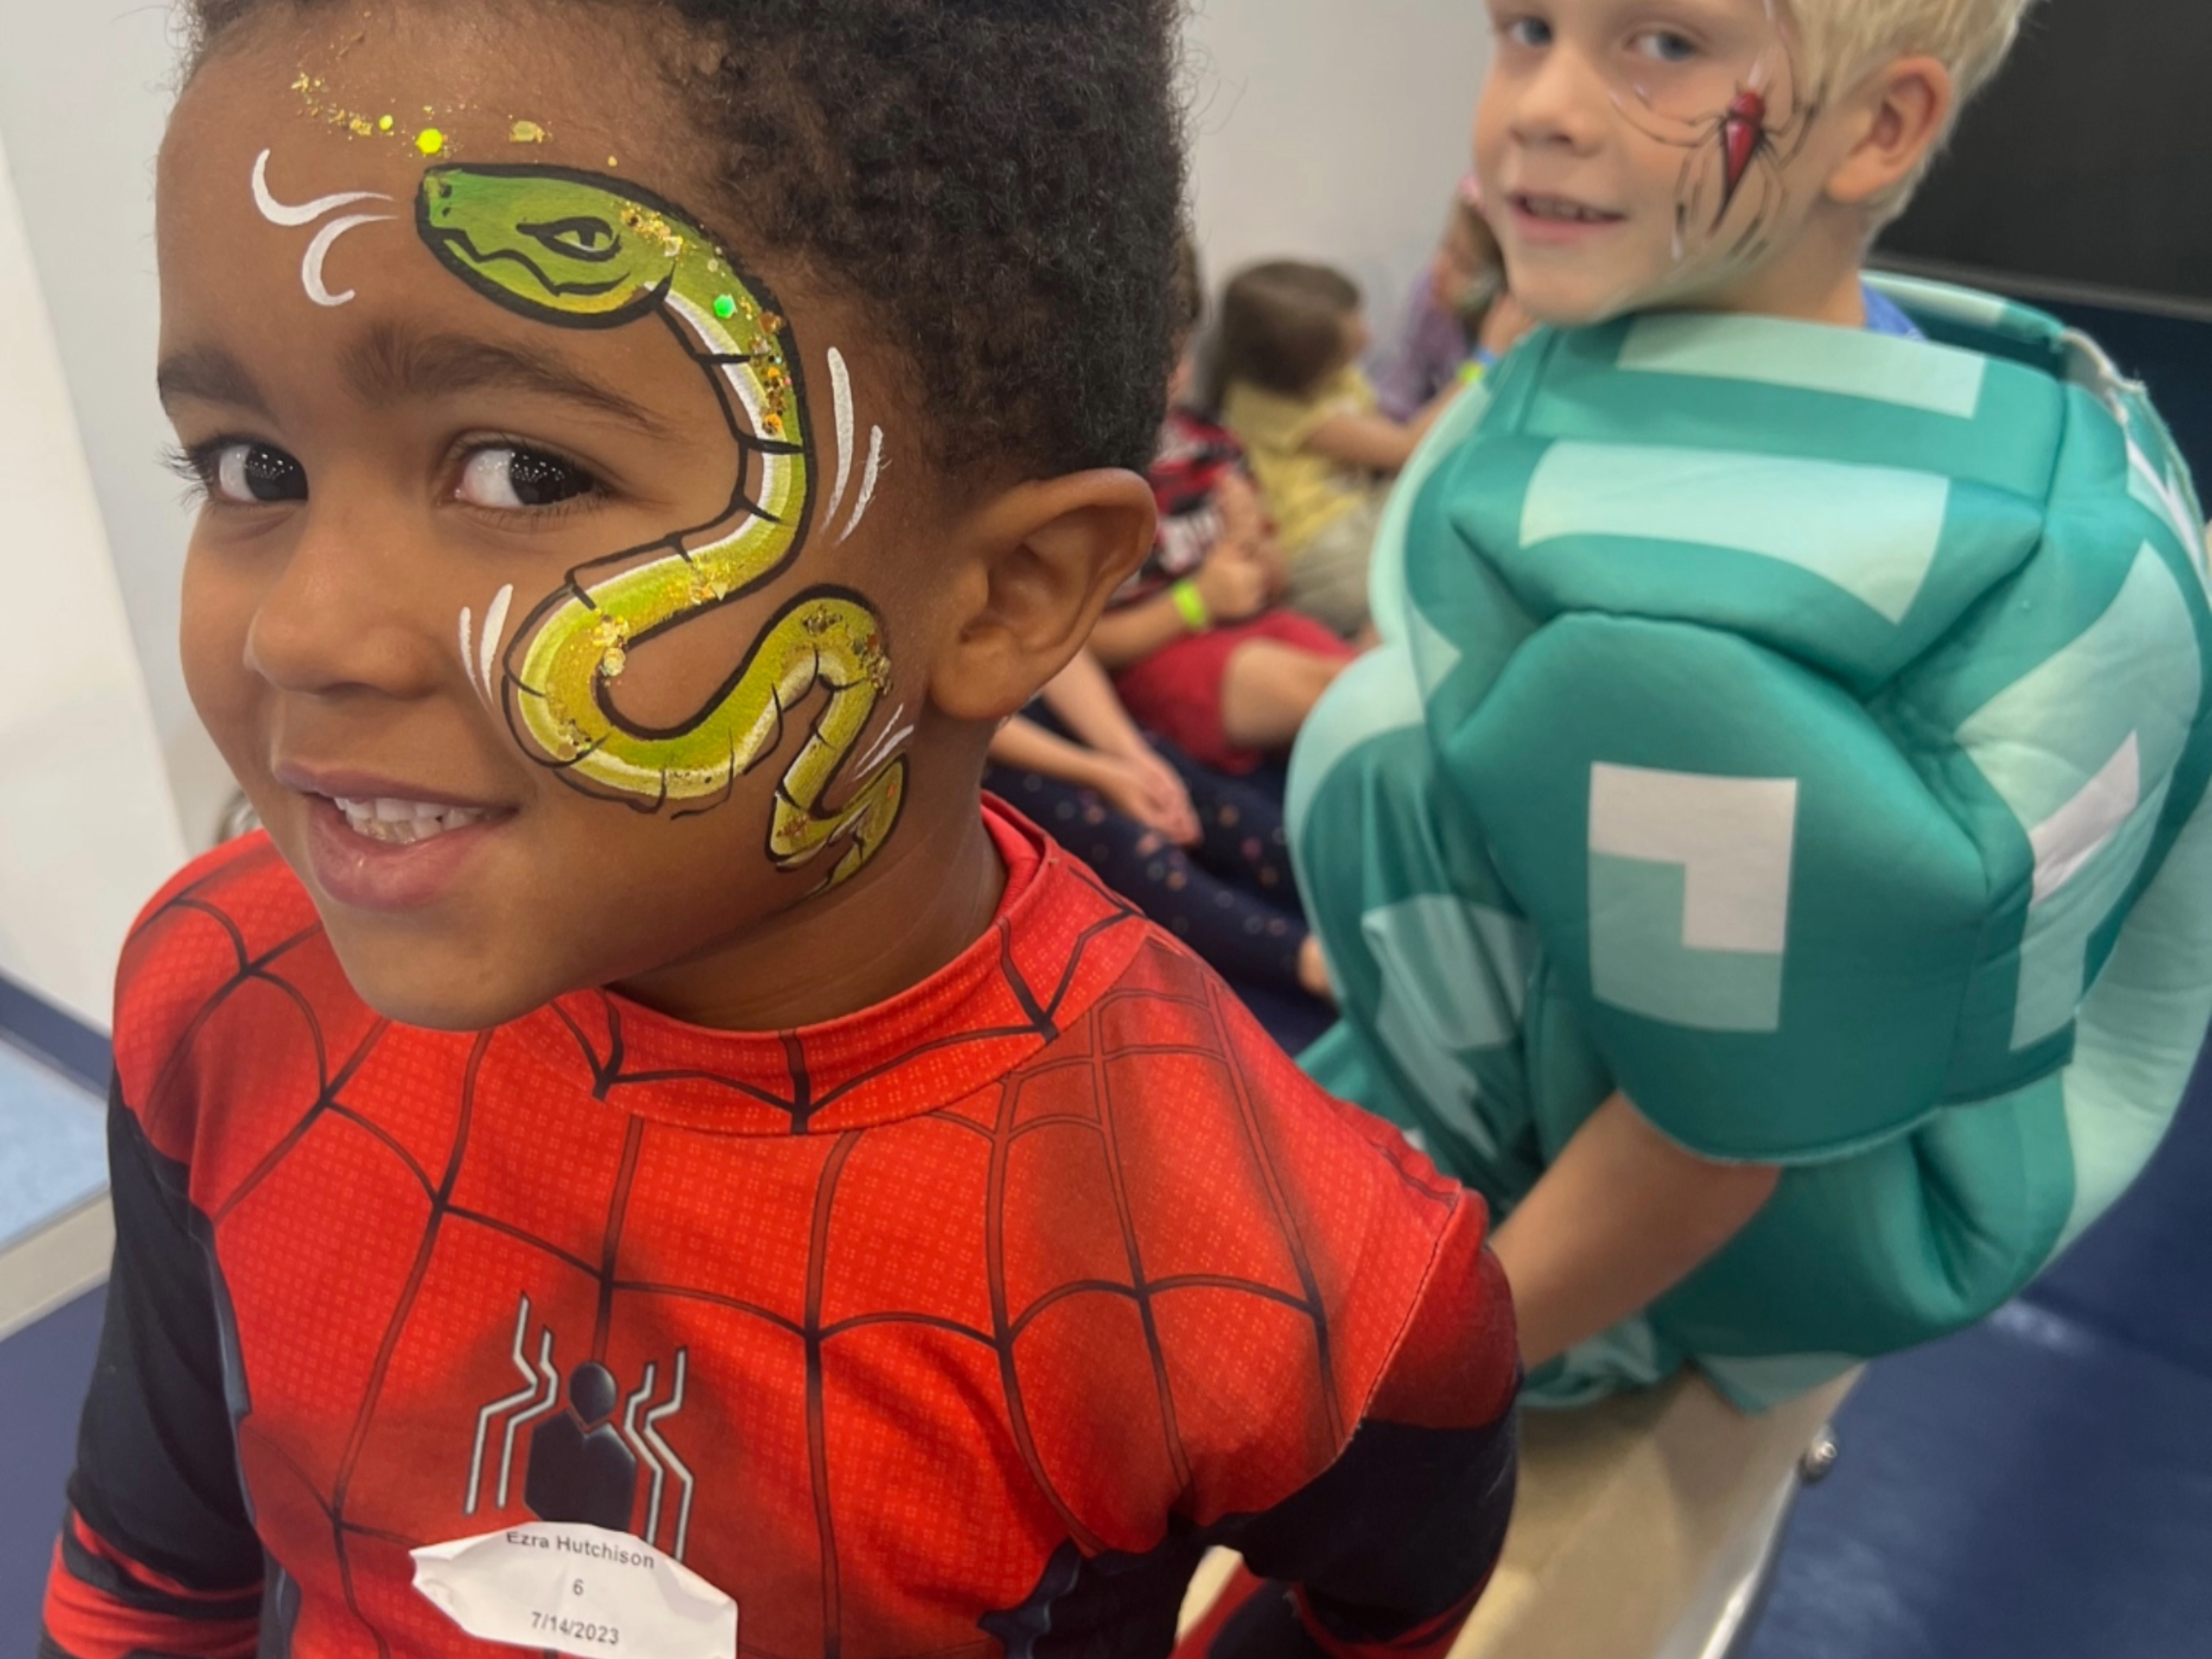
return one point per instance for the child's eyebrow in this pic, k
(392, 365)
(208, 374)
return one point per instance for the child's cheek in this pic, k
(219, 601)
(770, 705)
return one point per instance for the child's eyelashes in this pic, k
(241, 472)
(506, 477)
(515, 478)
(1664, 46)
(1533, 34)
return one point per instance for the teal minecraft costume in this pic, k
(1806, 731)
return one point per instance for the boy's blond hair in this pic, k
(1843, 40)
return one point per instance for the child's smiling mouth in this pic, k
(1529, 205)
(381, 844)
(399, 822)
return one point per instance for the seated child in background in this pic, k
(1291, 391)
(1204, 855)
(1769, 856)
(1200, 652)
(639, 1142)
(1460, 317)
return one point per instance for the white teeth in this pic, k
(402, 823)
(1553, 207)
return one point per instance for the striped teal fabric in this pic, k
(1808, 732)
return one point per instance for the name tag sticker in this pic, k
(580, 1590)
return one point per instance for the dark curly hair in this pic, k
(999, 183)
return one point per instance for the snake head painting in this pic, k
(579, 251)
(540, 238)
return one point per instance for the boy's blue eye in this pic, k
(250, 474)
(1532, 32)
(1665, 46)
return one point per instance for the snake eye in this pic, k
(589, 239)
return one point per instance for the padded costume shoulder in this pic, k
(1875, 671)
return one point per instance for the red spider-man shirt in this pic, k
(962, 1325)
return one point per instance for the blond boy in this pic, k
(1768, 858)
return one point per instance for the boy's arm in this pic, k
(1087, 704)
(1619, 1219)
(1235, 582)
(1375, 441)
(1384, 1555)
(1125, 637)
(157, 1555)
(1024, 745)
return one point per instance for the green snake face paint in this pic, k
(577, 251)
(564, 247)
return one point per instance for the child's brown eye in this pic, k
(510, 479)
(256, 474)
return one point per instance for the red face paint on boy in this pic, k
(1684, 153)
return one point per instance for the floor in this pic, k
(54, 1240)
(52, 1145)
(2041, 1487)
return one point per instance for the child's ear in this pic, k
(1042, 560)
(1903, 111)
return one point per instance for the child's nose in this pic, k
(1565, 101)
(341, 617)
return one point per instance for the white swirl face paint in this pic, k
(495, 630)
(290, 217)
(868, 479)
(480, 656)
(841, 385)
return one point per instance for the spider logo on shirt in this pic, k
(584, 1461)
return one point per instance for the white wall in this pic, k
(1334, 130)
(87, 828)
(85, 90)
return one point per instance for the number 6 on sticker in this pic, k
(497, 1588)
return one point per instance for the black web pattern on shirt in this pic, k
(611, 1071)
(1008, 1325)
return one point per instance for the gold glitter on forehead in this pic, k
(526, 132)
(315, 101)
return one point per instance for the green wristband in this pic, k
(1191, 606)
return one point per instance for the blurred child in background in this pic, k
(1292, 392)
(1460, 317)
(1200, 652)
(1203, 855)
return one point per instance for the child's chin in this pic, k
(1574, 311)
(429, 989)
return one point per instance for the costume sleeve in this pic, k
(1765, 917)
(157, 1555)
(1385, 1553)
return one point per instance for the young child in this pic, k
(1200, 652)
(1770, 858)
(638, 1159)
(1292, 392)
(1204, 856)
(1460, 317)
